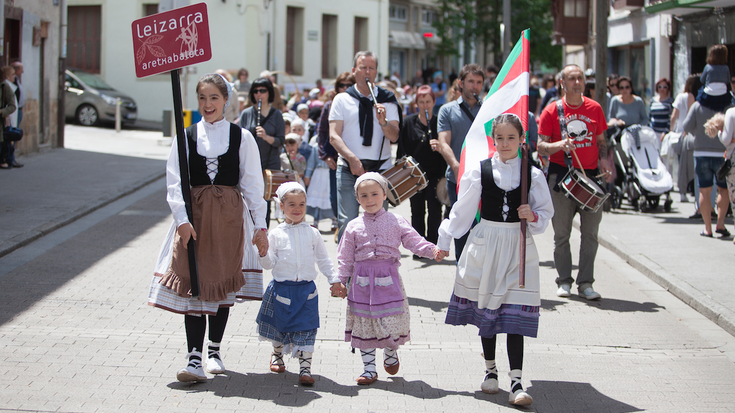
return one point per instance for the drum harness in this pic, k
(568, 161)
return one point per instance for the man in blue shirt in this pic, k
(439, 87)
(454, 121)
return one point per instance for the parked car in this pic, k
(90, 101)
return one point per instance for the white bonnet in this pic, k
(287, 187)
(373, 176)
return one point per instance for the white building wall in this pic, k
(39, 122)
(642, 28)
(238, 32)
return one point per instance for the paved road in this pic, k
(78, 336)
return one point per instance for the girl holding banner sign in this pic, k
(229, 217)
(487, 293)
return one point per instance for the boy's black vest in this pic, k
(228, 171)
(492, 196)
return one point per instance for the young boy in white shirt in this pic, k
(289, 313)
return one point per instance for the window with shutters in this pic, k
(83, 39)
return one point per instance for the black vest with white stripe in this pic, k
(228, 170)
(492, 198)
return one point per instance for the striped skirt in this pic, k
(508, 319)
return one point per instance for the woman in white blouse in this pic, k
(228, 212)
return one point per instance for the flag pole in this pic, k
(524, 183)
(524, 200)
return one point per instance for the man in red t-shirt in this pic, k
(586, 124)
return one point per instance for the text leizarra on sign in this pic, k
(166, 41)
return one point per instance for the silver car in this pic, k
(89, 100)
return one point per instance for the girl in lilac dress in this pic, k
(368, 258)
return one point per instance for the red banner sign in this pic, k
(166, 41)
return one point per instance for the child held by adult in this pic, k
(486, 288)
(291, 159)
(368, 256)
(289, 313)
(227, 186)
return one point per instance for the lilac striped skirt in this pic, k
(375, 289)
(508, 318)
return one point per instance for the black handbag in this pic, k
(12, 134)
(724, 170)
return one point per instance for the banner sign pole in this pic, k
(166, 42)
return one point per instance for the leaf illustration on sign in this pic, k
(189, 37)
(156, 51)
(140, 54)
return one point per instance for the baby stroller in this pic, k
(642, 176)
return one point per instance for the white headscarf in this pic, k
(372, 176)
(287, 187)
(229, 88)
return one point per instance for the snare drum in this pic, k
(272, 179)
(405, 179)
(584, 190)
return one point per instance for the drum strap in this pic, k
(563, 129)
(466, 111)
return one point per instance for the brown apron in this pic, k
(218, 222)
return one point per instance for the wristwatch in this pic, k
(383, 125)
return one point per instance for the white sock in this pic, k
(213, 351)
(491, 370)
(304, 363)
(368, 360)
(390, 357)
(278, 355)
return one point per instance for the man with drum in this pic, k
(454, 121)
(584, 142)
(358, 130)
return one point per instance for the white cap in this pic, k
(372, 176)
(287, 187)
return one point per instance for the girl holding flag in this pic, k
(486, 289)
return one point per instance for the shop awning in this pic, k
(406, 40)
(681, 7)
(431, 38)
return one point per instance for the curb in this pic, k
(702, 303)
(6, 247)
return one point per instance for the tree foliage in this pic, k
(536, 15)
(446, 24)
(470, 21)
(456, 24)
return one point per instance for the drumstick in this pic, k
(580, 163)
